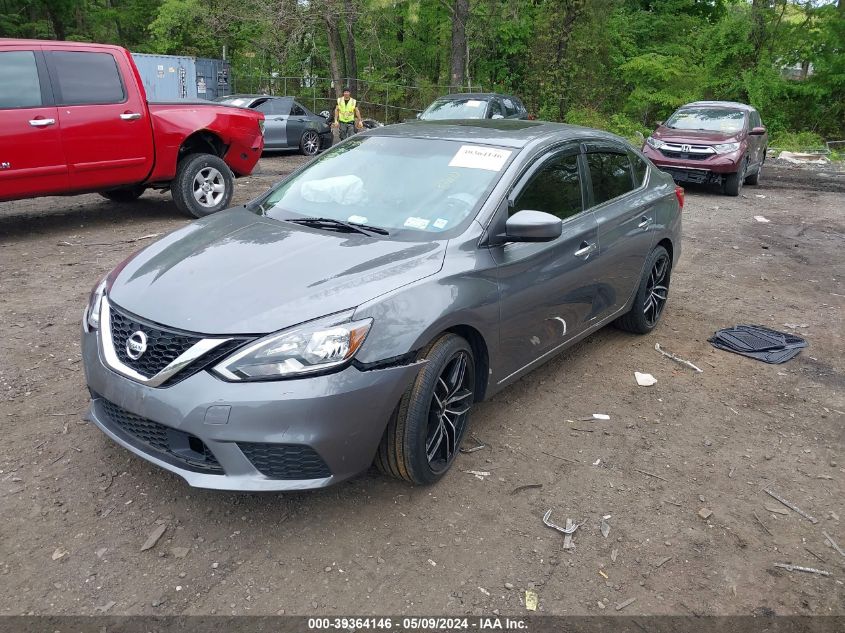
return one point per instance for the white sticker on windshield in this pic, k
(440, 223)
(475, 157)
(357, 219)
(416, 223)
(472, 103)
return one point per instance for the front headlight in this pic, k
(656, 143)
(726, 148)
(95, 302)
(304, 349)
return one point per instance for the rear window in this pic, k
(610, 174)
(19, 80)
(86, 78)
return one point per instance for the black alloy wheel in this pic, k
(652, 294)
(657, 290)
(447, 417)
(310, 143)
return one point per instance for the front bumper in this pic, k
(711, 169)
(326, 139)
(339, 417)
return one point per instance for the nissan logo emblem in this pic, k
(136, 345)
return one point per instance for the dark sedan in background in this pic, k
(359, 309)
(475, 105)
(287, 123)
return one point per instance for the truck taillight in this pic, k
(679, 193)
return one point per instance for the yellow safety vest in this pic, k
(347, 110)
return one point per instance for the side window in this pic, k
(755, 119)
(19, 79)
(611, 175)
(555, 189)
(510, 108)
(640, 168)
(297, 110)
(86, 78)
(495, 108)
(265, 106)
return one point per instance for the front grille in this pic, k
(687, 155)
(171, 444)
(163, 345)
(285, 461)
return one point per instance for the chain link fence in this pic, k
(382, 101)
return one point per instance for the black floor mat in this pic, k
(758, 342)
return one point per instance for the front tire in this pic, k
(125, 194)
(204, 184)
(652, 294)
(310, 143)
(754, 179)
(732, 184)
(422, 438)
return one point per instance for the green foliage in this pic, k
(616, 123)
(797, 141)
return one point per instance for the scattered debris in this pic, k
(597, 462)
(567, 540)
(154, 536)
(798, 158)
(479, 474)
(796, 326)
(663, 561)
(605, 526)
(808, 570)
(758, 195)
(833, 543)
(180, 552)
(814, 554)
(677, 359)
(432, 563)
(770, 508)
(60, 552)
(575, 428)
(569, 529)
(644, 380)
(624, 604)
(101, 552)
(105, 607)
(705, 513)
(645, 472)
(531, 600)
(508, 586)
(525, 487)
(791, 506)
(563, 459)
(759, 343)
(763, 525)
(479, 445)
(601, 416)
(760, 218)
(614, 553)
(603, 575)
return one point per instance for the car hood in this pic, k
(239, 273)
(694, 137)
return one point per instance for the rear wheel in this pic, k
(754, 179)
(125, 194)
(424, 435)
(310, 143)
(204, 184)
(651, 296)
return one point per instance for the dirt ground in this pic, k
(77, 508)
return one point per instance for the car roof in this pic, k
(718, 104)
(248, 96)
(10, 41)
(473, 95)
(514, 133)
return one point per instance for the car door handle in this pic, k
(42, 122)
(130, 116)
(645, 222)
(301, 120)
(586, 249)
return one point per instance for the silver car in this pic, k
(355, 312)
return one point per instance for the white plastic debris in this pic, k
(644, 380)
(797, 158)
(761, 218)
(601, 416)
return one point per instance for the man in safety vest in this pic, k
(347, 116)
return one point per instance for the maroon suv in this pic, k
(711, 142)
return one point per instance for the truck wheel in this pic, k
(204, 184)
(126, 194)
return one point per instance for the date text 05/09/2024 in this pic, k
(479, 623)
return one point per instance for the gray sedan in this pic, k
(287, 123)
(358, 310)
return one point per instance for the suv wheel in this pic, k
(754, 179)
(732, 183)
(651, 296)
(125, 194)
(424, 435)
(204, 184)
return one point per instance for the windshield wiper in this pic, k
(351, 227)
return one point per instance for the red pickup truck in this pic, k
(74, 118)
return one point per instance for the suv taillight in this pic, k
(679, 194)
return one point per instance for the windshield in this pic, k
(708, 120)
(241, 102)
(455, 109)
(405, 185)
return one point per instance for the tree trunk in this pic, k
(335, 51)
(352, 60)
(457, 66)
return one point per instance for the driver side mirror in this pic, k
(532, 226)
(757, 131)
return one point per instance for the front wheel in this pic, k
(310, 143)
(424, 435)
(732, 184)
(754, 179)
(652, 294)
(204, 184)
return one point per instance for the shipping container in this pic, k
(167, 77)
(214, 78)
